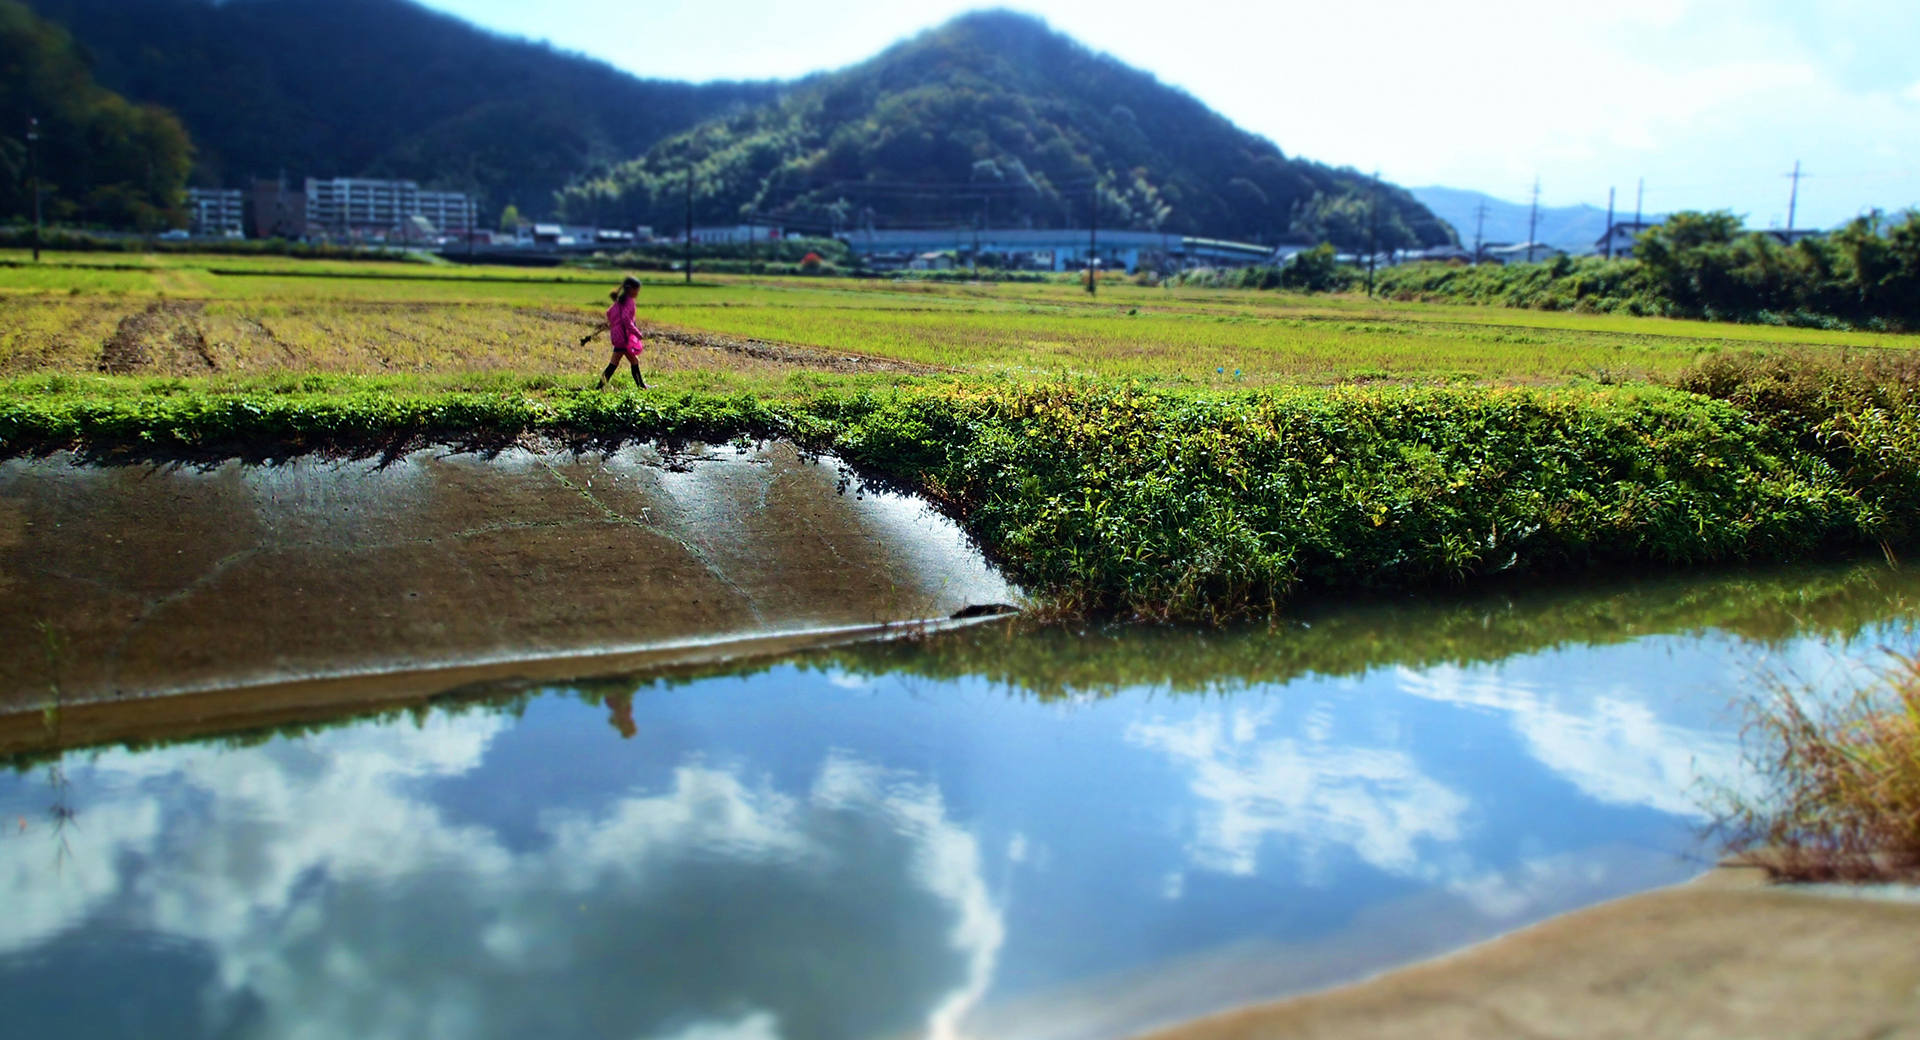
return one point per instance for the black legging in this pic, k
(633, 361)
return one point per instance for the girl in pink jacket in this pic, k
(624, 333)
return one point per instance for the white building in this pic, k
(362, 206)
(217, 212)
(731, 234)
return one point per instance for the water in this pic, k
(1044, 835)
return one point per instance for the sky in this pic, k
(1710, 101)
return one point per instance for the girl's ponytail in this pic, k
(629, 283)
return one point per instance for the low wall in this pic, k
(124, 582)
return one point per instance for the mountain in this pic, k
(331, 88)
(996, 118)
(101, 159)
(1572, 228)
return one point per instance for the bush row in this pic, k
(1704, 265)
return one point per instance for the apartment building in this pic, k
(217, 212)
(356, 206)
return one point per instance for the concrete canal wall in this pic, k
(122, 582)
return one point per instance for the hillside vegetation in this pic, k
(384, 88)
(103, 160)
(1703, 265)
(996, 118)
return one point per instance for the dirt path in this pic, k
(163, 338)
(1723, 957)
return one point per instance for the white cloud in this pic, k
(314, 872)
(758, 1025)
(1374, 801)
(1610, 744)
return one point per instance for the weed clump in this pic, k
(1841, 784)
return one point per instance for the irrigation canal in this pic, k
(987, 832)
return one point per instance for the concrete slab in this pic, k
(1721, 958)
(122, 582)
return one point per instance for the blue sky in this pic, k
(1711, 101)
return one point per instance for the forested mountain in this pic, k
(996, 117)
(380, 88)
(101, 159)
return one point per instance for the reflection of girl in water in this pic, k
(620, 714)
(624, 333)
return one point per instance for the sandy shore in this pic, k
(1724, 957)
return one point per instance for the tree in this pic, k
(510, 218)
(103, 160)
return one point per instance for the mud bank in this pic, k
(119, 582)
(1726, 956)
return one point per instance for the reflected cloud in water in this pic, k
(333, 900)
(1373, 801)
(896, 842)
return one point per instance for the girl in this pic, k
(624, 333)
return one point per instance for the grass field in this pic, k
(245, 318)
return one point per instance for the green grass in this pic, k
(1182, 337)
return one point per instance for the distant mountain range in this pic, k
(1571, 228)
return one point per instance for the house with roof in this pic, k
(1619, 240)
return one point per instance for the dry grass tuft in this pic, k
(1841, 794)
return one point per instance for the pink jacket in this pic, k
(621, 328)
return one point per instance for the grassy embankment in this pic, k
(1155, 453)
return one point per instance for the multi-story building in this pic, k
(217, 212)
(731, 234)
(356, 206)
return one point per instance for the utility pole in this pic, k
(689, 253)
(1479, 227)
(749, 246)
(1533, 219)
(1093, 240)
(33, 165)
(1639, 196)
(1793, 200)
(1609, 223)
(1373, 231)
